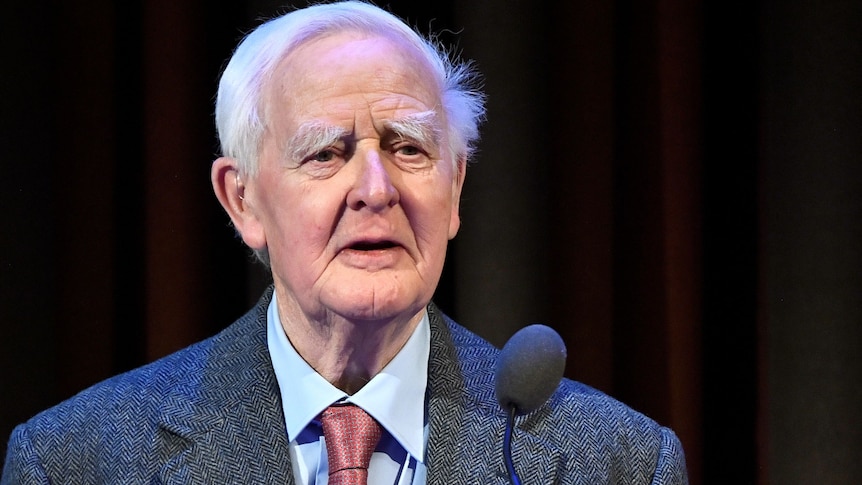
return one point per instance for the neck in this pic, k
(347, 353)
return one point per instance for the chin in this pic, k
(370, 304)
(384, 313)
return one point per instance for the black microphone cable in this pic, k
(507, 446)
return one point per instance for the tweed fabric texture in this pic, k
(351, 435)
(212, 414)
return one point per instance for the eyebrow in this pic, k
(314, 136)
(423, 127)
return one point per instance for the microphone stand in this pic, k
(507, 446)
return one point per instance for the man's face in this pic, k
(356, 197)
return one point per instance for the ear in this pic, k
(457, 186)
(231, 191)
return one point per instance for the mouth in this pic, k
(372, 254)
(372, 245)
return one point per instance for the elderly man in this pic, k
(345, 139)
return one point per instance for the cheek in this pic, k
(292, 220)
(432, 221)
(299, 251)
(305, 226)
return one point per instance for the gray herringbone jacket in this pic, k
(212, 414)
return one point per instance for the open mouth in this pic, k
(373, 246)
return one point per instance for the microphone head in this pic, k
(529, 368)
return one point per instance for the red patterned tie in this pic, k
(351, 436)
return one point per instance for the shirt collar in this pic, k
(395, 397)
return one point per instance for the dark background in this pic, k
(675, 186)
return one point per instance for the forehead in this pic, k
(335, 76)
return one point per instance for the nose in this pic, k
(373, 185)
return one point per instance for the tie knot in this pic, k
(351, 435)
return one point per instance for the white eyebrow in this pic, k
(423, 128)
(312, 137)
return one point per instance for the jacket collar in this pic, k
(224, 420)
(466, 423)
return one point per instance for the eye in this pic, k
(409, 150)
(326, 156)
(412, 154)
(406, 147)
(323, 156)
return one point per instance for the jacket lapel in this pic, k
(467, 424)
(224, 423)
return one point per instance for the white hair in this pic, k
(241, 117)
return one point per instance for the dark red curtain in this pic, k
(672, 185)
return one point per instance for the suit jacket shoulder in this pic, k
(579, 436)
(212, 413)
(207, 413)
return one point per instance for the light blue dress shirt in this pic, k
(395, 398)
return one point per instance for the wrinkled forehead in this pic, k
(413, 45)
(405, 56)
(331, 63)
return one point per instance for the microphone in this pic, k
(529, 369)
